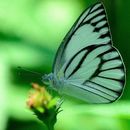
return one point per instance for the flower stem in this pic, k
(44, 105)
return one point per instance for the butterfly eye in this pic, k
(45, 79)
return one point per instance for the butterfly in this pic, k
(87, 66)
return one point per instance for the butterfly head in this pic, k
(47, 78)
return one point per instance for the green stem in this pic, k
(50, 127)
(50, 120)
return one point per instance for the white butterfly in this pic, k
(87, 66)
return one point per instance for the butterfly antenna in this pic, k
(29, 71)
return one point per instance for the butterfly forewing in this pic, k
(91, 67)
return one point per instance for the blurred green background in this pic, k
(30, 33)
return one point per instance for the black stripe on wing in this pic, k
(100, 90)
(108, 89)
(101, 17)
(88, 50)
(85, 89)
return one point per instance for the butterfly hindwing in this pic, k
(91, 67)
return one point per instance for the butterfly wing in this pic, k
(91, 67)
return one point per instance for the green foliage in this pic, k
(29, 37)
